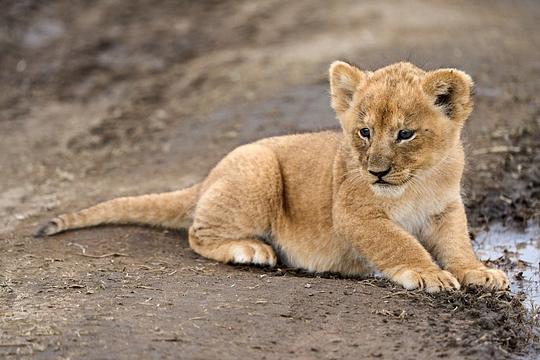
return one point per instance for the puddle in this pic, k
(517, 253)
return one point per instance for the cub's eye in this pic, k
(364, 133)
(405, 134)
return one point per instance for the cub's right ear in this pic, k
(450, 91)
(344, 79)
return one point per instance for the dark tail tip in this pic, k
(48, 228)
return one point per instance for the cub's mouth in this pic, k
(382, 182)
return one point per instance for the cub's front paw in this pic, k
(490, 278)
(431, 280)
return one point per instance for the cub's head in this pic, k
(399, 121)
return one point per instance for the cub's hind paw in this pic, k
(253, 253)
(51, 227)
(430, 280)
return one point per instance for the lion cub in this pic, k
(381, 195)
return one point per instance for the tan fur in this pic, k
(315, 197)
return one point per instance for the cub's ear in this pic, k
(344, 79)
(450, 90)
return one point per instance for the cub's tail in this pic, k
(171, 209)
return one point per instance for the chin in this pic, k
(387, 190)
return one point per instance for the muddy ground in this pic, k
(106, 98)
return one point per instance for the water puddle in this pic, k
(517, 253)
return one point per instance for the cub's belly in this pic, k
(319, 253)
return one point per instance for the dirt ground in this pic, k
(107, 98)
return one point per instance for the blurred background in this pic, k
(105, 98)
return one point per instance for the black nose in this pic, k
(380, 174)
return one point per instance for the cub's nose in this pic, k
(380, 174)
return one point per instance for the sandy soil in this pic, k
(106, 98)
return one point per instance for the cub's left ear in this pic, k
(450, 90)
(344, 79)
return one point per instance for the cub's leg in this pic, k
(448, 240)
(393, 251)
(238, 204)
